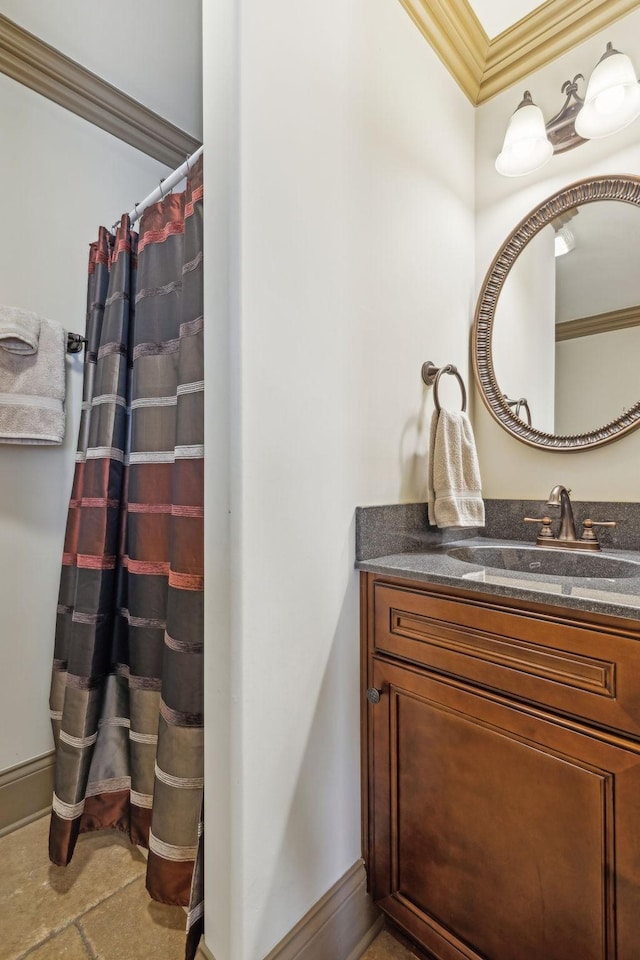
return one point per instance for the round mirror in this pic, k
(557, 327)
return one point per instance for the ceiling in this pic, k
(496, 15)
(529, 36)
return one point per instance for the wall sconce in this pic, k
(564, 242)
(526, 146)
(612, 102)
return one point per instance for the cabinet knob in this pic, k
(373, 695)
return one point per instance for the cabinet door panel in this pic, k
(493, 826)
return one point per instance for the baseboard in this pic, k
(204, 953)
(368, 938)
(340, 926)
(25, 792)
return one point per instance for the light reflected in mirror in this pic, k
(556, 338)
(566, 336)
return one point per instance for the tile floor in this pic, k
(94, 909)
(390, 947)
(97, 907)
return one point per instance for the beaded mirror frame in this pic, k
(625, 188)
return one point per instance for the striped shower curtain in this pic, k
(126, 692)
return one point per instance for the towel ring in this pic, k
(431, 376)
(518, 405)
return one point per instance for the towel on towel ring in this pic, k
(454, 486)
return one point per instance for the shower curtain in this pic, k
(127, 679)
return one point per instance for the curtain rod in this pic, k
(165, 185)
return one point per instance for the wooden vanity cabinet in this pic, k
(501, 773)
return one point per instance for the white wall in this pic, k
(601, 273)
(524, 331)
(355, 266)
(223, 653)
(62, 178)
(597, 378)
(510, 468)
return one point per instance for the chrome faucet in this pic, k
(560, 496)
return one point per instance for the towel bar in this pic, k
(431, 376)
(76, 342)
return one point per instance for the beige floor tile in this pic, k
(37, 898)
(386, 947)
(130, 925)
(67, 945)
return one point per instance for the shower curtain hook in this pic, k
(162, 195)
(187, 158)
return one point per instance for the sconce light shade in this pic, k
(564, 241)
(612, 100)
(526, 145)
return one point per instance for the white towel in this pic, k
(19, 330)
(32, 390)
(454, 487)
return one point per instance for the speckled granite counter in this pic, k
(421, 553)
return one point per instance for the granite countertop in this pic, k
(421, 557)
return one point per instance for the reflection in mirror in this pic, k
(598, 317)
(576, 320)
(524, 332)
(557, 331)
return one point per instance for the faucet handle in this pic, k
(588, 525)
(546, 522)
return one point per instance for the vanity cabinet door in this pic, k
(499, 833)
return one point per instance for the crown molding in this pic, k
(484, 67)
(599, 323)
(30, 61)
(542, 36)
(456, 35)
